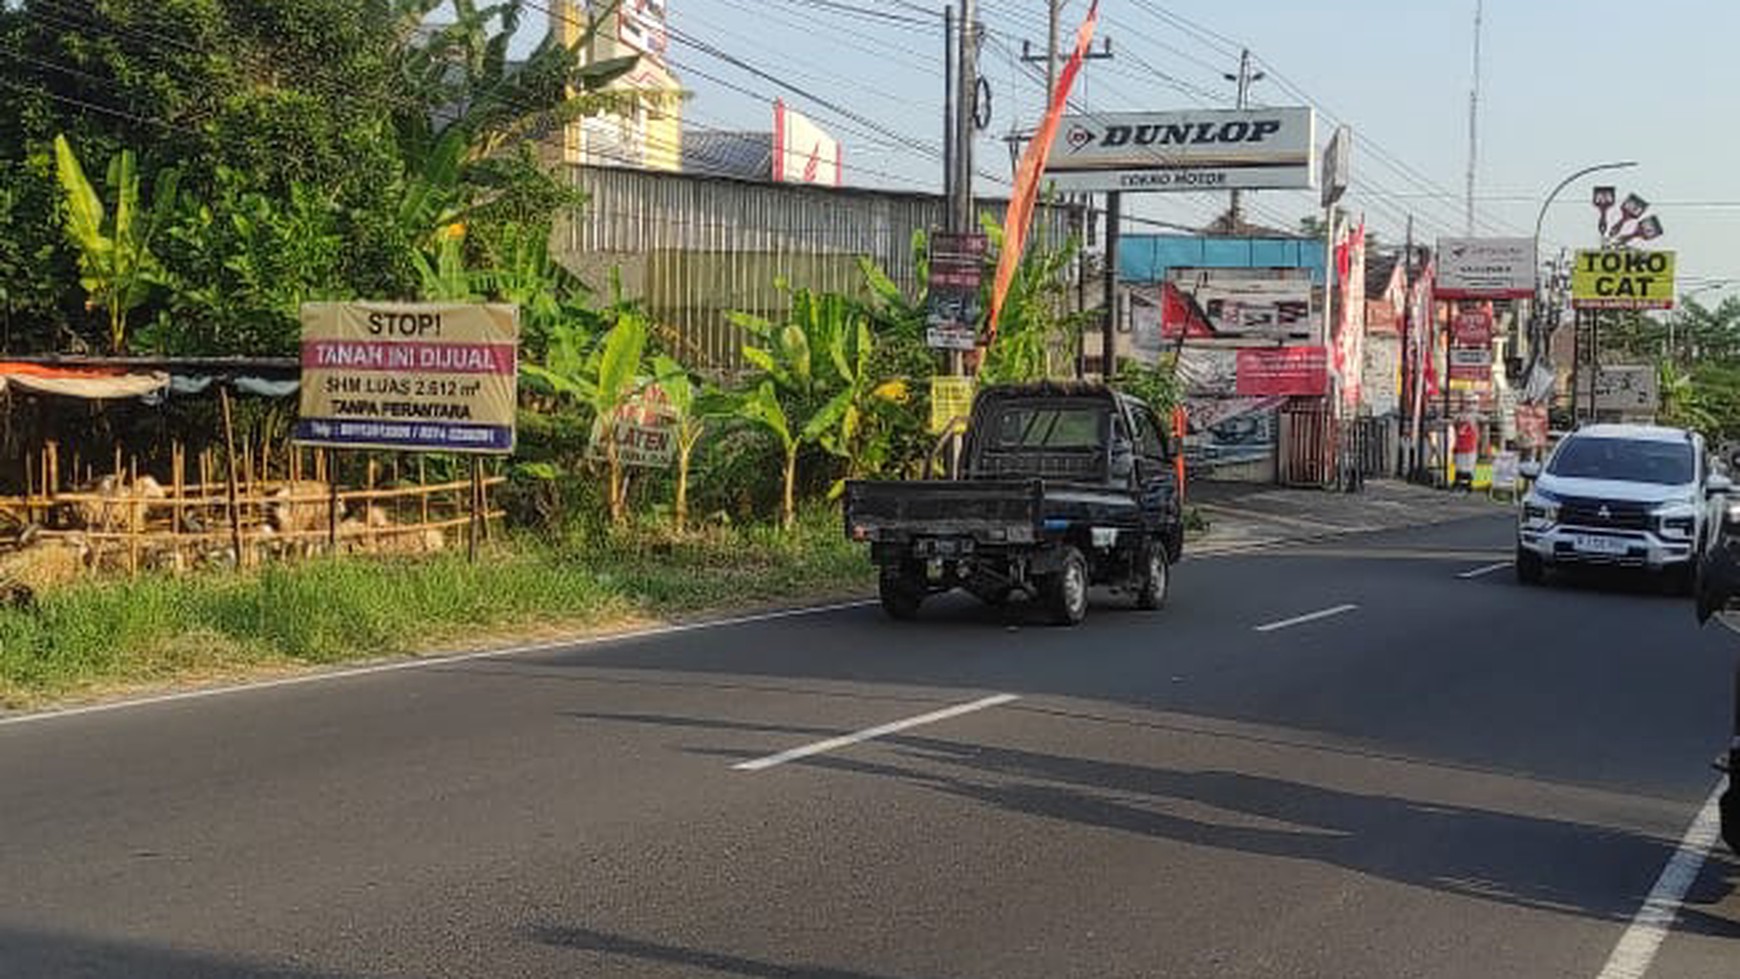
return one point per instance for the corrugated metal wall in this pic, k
(695, 248)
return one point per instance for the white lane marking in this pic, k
(1637, 948)
(1308, 617)
(869, 733)
(582, 642)
(1480, 572)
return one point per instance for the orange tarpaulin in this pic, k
(1020, 214)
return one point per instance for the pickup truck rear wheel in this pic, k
(1065, 591)
(900, 598)
(1156, 579)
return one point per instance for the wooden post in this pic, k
(476, 492)
(178, 488)
(235, 513)
(29, 489)
(483, 506)
(53, 481)
(329, 461)
(135, 514)
(369, 473)
(423, 490)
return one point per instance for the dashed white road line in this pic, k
(1482, 572)
(869, 733)
(1308, 617)
(1637, 948)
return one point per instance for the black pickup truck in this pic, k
(1062, 486)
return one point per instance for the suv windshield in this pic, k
(1047, 427)
(1626, 460)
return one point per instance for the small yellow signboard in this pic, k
(1623, 278)
(951, 401)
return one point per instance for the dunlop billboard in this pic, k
(1623, 278)
(1212, 149)
(435, 377)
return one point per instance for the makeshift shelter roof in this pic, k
(125, 378)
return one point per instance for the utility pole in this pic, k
(1236, 216)
(1474, 121)
(1051, 41)
(948, 104)
(966, 93)
(1108, 327)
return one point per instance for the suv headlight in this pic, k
(1540, 507)
(1676, 520)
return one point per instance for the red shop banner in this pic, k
(1472, 328)
(1283, 371)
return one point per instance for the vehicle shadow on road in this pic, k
(25, 952)
(589, 940)
(1514, 859)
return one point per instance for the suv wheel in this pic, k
(1066, 590)
(1530, 569)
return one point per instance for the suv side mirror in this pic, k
(1530, 470)
(1718, 485)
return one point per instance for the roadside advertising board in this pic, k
(803, 152)
(1485, 268)
(1623, 278)
(1472, 328)
(1263, 305)
(435, 377)
(1506, 470)
(1210, 149)
(644, 430)
(1297, 371)
(957, 267)
(1632, 390)
(951, 401)
(1471, 367)
(1531, 426)
(1337, 165)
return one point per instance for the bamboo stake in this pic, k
(328, 463)
(235, 513)
(369, 472)
(135, 516)
(476, 493)
(423, 482)
(177, 458)
(483, 505)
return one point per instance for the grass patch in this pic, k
(104, 636)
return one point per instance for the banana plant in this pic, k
(116, 265)
(602, 377)
(694, 406)
(761, 406)
(1035, 338)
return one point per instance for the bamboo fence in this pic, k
(211, 512)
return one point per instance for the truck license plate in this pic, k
(1592, 544)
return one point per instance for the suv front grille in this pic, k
(1603, 514)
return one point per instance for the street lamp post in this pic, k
(1536, 341)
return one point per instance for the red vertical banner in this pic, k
(1019, 218)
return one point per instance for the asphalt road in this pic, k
(1456, 776)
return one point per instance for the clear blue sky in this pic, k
(1565, 85)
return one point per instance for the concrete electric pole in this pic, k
(1236, 216)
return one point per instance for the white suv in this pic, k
(1636, 496)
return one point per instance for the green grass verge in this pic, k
(108, 636)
